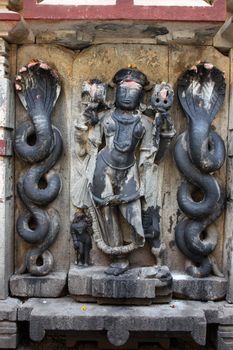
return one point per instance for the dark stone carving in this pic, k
(151, 226)
(200, 151)
(39, 143)
(116, 168)
(81, 230)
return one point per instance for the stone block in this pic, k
(6, 102)
(225, 337)
(209, 288)
(8, 309)
(52, 285)
(132, 287)
(4, 47)
(8, 335)
(8, 341)
(69, 38)
(6, 223)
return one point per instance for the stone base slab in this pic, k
(204, 289)
(8, 323)
(91, 284)
(118, 322)
(27, 286)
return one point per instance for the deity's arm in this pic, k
(166, 134)
(147, 147)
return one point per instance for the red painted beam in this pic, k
(9, 16)
(125, 10)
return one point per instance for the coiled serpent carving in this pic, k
(200, 151)
(39, 143)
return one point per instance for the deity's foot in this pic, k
(117, 267)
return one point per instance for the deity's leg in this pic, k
(132, 212)
(112, 225)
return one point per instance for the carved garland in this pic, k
(39, 143)
(199, 152)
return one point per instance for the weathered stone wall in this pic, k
(160, 63)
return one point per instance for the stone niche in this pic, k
(159, 63)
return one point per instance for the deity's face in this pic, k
(128, 95)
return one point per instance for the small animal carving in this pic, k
(81, 230)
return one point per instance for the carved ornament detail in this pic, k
(38, 143)
(199, 152)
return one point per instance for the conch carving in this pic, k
(199, 152)
(39, 143)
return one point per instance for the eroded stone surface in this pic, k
(132, 287)
(52, 285)
(209, 288)
(65, 314)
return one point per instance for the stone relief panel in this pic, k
(199, 152)
(88, 97)
(38, 143)
(111, 61)
(60, 60)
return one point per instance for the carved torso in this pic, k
(122, 134)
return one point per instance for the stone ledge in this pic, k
(8, 323)
(65, 314)
(9, 308)
(204, 289)
(28, 286)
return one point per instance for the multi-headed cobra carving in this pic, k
(199, 152)
(39, 143)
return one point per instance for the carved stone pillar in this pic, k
(229, 213)
(6, 172)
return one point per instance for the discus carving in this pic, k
(199, 152)
(38, 143)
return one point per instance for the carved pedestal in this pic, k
(138, 286)
(52, 285)
(204, 289)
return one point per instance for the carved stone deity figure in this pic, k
(81, 235)
(118, 145)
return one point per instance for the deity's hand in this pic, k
(113, 200)
(91, 115)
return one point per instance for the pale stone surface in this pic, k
(9, 308)
(209, 288)
(70, 38)
(228, 249)
(225, 337)
(64, 314)
(75, 34)
(6, 173)
(223, 38)
(8, 326)
(53, 285)
(131, 287)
